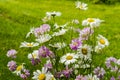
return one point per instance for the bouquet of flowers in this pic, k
(65, 51)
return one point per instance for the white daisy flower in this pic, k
(54, 13)
(102, 41)
(69, 58)
(82, 66)
(60, 26)
(31, 32)
(34, 55)
(85, 51)
(46, 18)
(58, 45)
(98, 49)
(42, 75)
(92, 22)
(43, 38)
(75, 21)
(80, 5)
(60, 32)
(90, 77)
(118, 61)
(27, 44)
(19, 69)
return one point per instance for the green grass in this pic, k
(17, 16)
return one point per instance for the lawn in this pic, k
(18, 16)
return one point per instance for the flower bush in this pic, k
(60, 57)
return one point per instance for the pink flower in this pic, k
(67, 72)
(45, 52)
(41, 30)
(76, 43)
(25, 74)
(12, 53)
(85, 33)
(12, 65)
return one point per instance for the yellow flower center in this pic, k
(84, 51)
(91, 20)
(81, 6)
(41, 77)
(19, 68)
(34, 55)
(75, 43)
(102, 41)
(69, 57)
(29, 44)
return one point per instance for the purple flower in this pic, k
(25, 74)
(41, 30)
(12, 65)
(38, 32)
(99, 72)
(80, 77)
(45, 52)
(48, 65)
(119, 77)
(76, 43)
(12, 53)
(85, 33)
(112, 78)
(35, 61)
(111, 63)
(67, 72)
(58, 74)
(45, 27)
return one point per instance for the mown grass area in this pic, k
(17, 16)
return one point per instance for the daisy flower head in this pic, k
(82, 64)
(80, 5)
(76, 43)
(102, 41)
(27, 44)
(85, 33)
(46, 18)
(85, 51)
(42, 75)
(33, 55)
(98, 49)
(60, 32)
(58, 45)
(12, 53)
(60, 26)
(92, 22)
(19, 69)
(54, 13)
(43, 38)
(69, 58)
(31, 32)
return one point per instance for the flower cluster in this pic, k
(64, 52)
